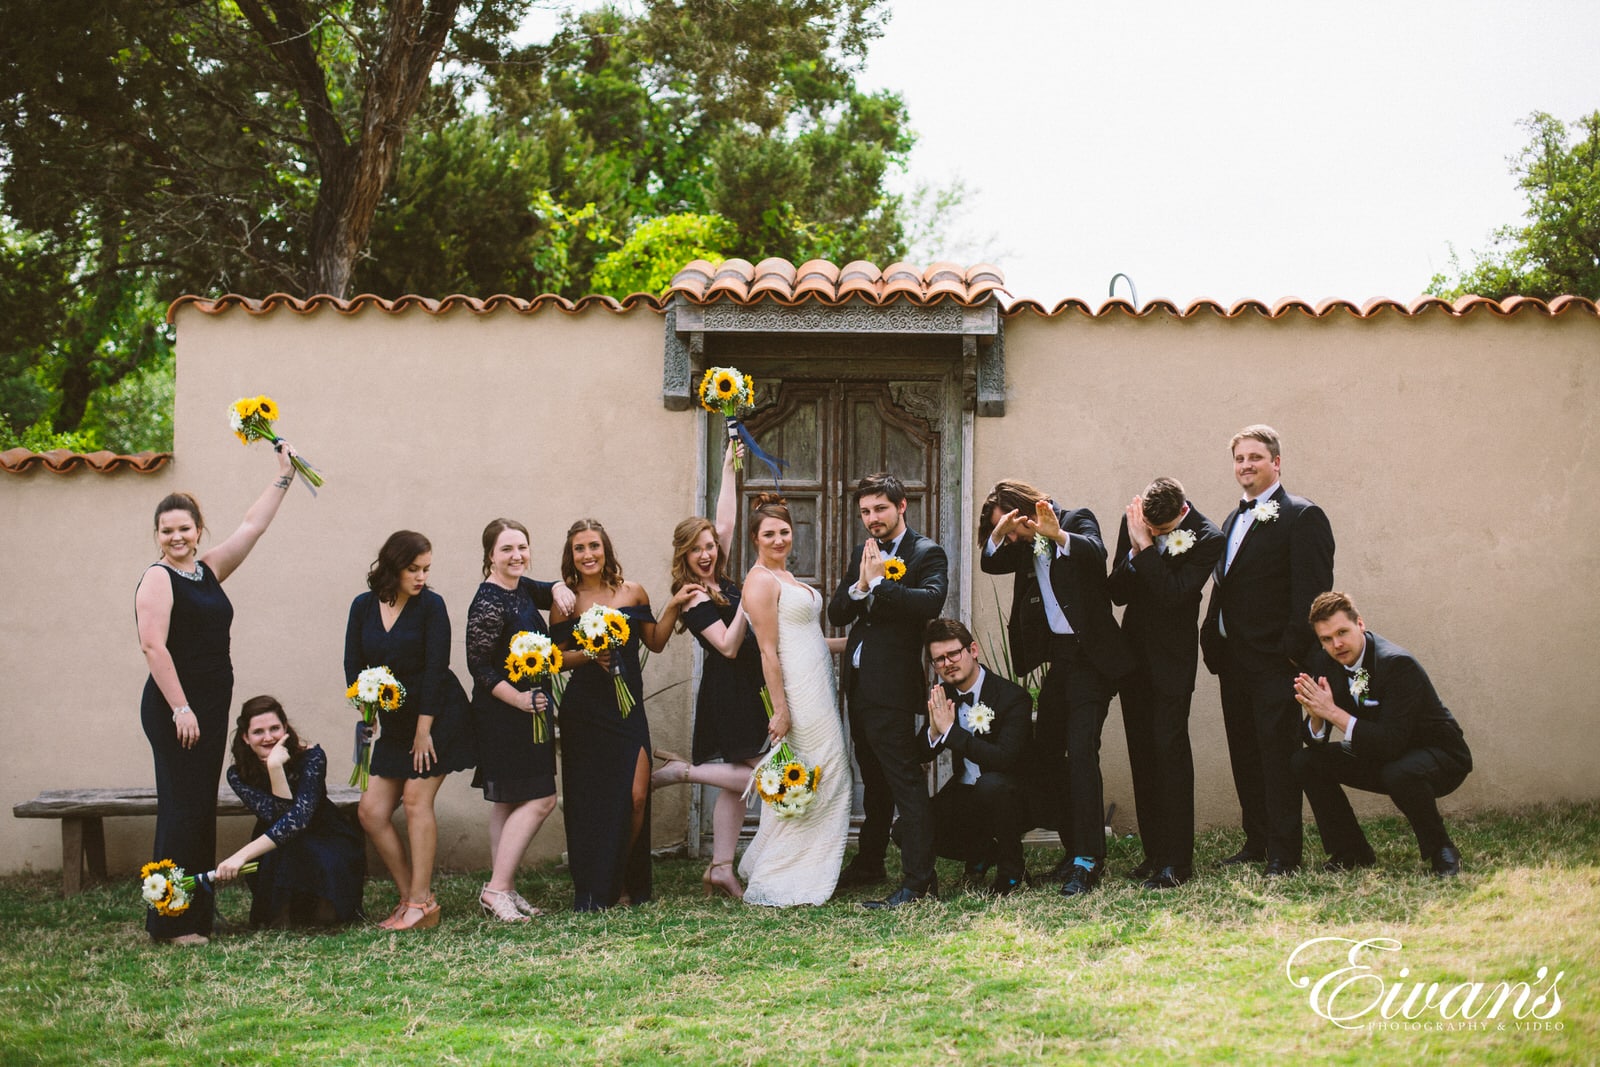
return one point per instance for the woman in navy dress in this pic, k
(312, 861)
(184, 619)
(730, 722)
(401, 624)
(516, 773)
(605, 756)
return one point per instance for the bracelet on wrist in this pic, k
(180, 711)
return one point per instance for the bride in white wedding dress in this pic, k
(795, 860)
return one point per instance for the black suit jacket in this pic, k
(1004, 747)
(888, 624)
(1079, 582)
(1264, 598)
(1400, 713)
(1162, 594)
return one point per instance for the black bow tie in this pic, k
(887, 547)
(1247, 505)
(1352, 671)
(963, 700)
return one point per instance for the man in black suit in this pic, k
(1378, 726)
(1166, 551)
(1279, 556)
(1061, 615)
(894, 584)
(986, 722)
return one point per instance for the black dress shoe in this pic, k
(1349, 861)
(904, 895)
(976, 869)
(1146, 869)
(1447, 862)
(1244, 855)
(1061, 872)
(853, 876)
(1279, 868)
(1168, 878)
(1004, 887)
(1083, 879)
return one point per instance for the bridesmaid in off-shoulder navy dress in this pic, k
(312, 861)
(516, 773)
(184, 619)
(605, 756)
(401, 624)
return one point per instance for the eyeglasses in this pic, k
(949, 657)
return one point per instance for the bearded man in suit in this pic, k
(1166, 551)
(986, 723)
(894, 584)
(1061, 615)
(1379, 726)
(1255, 639)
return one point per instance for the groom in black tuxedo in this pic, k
(1166, 551)
(1061, 615)
(894, 584)
(1278, 558)
(986, 723)
(1377, 725)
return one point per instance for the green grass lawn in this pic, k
(1195, 974)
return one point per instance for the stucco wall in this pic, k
(1456, 458)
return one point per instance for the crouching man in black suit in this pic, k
(1379, 726)
(986, 723)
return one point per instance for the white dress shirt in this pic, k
(969, 769)
(872, 584)
(1054, 616)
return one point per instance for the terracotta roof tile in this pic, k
(60, 461)
(1371, 309)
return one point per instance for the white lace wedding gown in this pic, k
(796, 861)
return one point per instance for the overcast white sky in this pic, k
(1230, 149)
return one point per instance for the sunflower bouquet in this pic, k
(165, 887)
(727, 390)
(251, 419)
(781, 780)
(375, 689)
(534, 655)
(600, 628)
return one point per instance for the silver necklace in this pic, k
(198, 575)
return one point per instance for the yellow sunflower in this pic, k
(247, 406)
(617, 626)
(726, 384)
(794, 773)
(389, 696)
(267, 408)
(816, 778)
(894, 568)
(705, 391)
(353, 692)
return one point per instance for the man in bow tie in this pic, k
(1166, 551)
(1061, 615)
(893, 586)
(1374, 722)
(1278, 557)
(985, 721)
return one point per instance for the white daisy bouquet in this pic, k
(375, 689)
(727, 390)
(533, 655)
(600, 628)
(165, 887)
(782, 780)
(251, 419)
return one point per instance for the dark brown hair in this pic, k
(610, 572)
(1163, 501)
(491, 534)
(179, 502)
(944, 629)
(398, 552)
(252, 771)
(768, 506)
(884, 483)
(1008, 494)
(1331, 603)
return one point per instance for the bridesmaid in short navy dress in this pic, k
(605, 756)
(516, 772)
(730, 722)
(184, 619)
(402, 624)
(313, 862)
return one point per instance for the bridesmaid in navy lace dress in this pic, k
(516, 773)
(730, 722)
(184, 619)
(401, 624)
(312, 861)
(605, 756)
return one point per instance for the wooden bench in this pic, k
(83, 835)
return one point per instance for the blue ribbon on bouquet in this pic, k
(736, 427)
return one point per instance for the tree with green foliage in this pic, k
(1556, 250)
